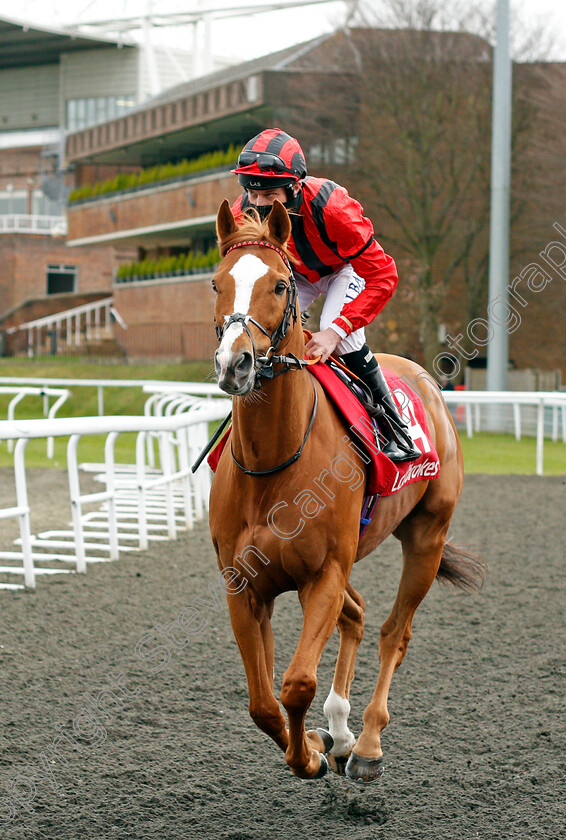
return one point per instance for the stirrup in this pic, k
(397, 453)
(400, 445)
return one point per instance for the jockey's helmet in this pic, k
(270, 159)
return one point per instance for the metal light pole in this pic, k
(498, 346)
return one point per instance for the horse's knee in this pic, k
(297, 691)
(354, 627)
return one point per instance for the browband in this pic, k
(281, 253)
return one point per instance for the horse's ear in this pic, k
(225, 221)
(279, 223)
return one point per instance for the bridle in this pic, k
(264, 364)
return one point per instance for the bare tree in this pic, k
(424, 152)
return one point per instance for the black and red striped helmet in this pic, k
(270, 159)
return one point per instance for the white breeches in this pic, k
(340, 288)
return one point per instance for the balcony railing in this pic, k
(23, 223)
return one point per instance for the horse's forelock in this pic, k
(253, 228)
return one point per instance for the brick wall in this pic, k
(16, 165)
(24, 259)
(170, 319)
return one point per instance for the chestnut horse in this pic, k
(273, 534)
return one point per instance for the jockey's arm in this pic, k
(379, 272)
(322, 344)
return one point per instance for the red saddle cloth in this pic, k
(384, 476)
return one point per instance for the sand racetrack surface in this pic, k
(476, 746)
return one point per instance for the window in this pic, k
(43, 205)
(61, 278)
(339, 151)
(13, 201)
(82, 113)
(252, 93)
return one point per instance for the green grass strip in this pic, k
(493, 454)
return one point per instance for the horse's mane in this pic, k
(253, 228)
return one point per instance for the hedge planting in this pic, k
(193, 262)
(125, 181)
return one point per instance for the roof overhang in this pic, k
(212, 132)
(22, 44)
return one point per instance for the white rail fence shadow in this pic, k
(139, 502)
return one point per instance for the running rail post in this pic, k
(23, 515)
(469, 420)
(51, 414)
(517, 419)
(140, 480)
(75, 493)
(11, 414)
(111, 490)
(167, 465)
(185, 479)
(540, 436)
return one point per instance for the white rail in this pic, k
(556, 400)
(174, 450)
(20, 392)
(26, 223)
(157, 386)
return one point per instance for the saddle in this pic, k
(383, 476)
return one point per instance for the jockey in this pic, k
(335, 254)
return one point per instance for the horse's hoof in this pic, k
(337, 763)
(364, 770)
(323, 769)
(302, 773)
(321, 740)
(326, 739)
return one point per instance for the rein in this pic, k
(290, 460)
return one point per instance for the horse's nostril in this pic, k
(244, 363)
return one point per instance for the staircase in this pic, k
(85, 330)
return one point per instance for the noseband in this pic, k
(264, 364)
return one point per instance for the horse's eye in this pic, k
(280, 288)
(213, 284)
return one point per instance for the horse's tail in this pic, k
(461, 568)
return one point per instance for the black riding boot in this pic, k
(399, 446)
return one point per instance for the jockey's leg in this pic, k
(342, 287)
(307, 292)
(400, 445)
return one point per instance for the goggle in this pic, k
(265, 161)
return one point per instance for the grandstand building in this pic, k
(51, 83)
